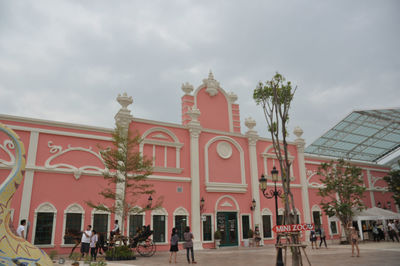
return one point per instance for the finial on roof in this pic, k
(211, 85)
(210, 75)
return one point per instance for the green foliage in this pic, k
(251, 233)
(342, 191)
(275, 96)
(127, 169)
(217, 234)
(393, 181)
(53, 254)
(120, 252)
(75, 256)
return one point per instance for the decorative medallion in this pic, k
(224, 150)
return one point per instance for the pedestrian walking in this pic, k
(375, 233)
(174, 245)
(322, 236)
(188, 245)
(392, 229)
(93, 245)
(354, 241)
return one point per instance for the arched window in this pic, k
(136, 219)
(74, 216)
(45, 224)
(101, 221)
(267, 223)
(270, 160)
(316, 215)
(181, 220)
(159, 222)
(163, 147)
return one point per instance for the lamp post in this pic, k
(269, 195)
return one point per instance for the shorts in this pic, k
(85, 247)
(354, 240)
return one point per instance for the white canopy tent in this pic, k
(375, 214)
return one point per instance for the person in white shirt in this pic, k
(115, 231)
(85, 241)
(93, 243)
(21, 229)
(392, 231)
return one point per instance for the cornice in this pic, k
(54, 123)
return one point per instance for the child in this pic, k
(313, 239)
(354, 241)
(93, 243)
(188, 236)
(174, 245)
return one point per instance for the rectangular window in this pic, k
(44, 228)
(180, 225)
(245, 226)
(267, 228)
(280, 219)
(317, 218)
(73, 224)
(333, 227)
(207, 231)
(100, 223)
(135, 222)
(159, 228)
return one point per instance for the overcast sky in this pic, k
(68, 60)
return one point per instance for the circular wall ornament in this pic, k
(224, 149)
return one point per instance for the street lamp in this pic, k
(269, 195)
(202, 204)
(149, 201)
(253, 205)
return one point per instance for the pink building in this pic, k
(206, 157)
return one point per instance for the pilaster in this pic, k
(370, 186)
(195, 131)
(300, 143)
(29, 174)
(252, 137)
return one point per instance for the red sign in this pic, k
(292, 228)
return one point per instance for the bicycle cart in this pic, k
(143, 244)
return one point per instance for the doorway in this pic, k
(227, 225)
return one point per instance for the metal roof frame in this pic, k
(364, 135)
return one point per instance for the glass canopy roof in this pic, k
(368, 135)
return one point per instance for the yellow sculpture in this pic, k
(15, 250)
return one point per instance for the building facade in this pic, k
(206, 170)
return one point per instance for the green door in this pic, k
(227, 224)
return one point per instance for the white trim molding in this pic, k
(163, 143)
(219, 186)
(266, 211)
(73, 208)
(45, 207)
(160, 211)
(268, 155)
(57, 150)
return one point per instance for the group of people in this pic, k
(314, 234)
(188, 245)
(89, 242)
(380, 233)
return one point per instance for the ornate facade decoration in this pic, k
(77, 171)
(187, 88)
(211, 85)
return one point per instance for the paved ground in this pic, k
(372, 254)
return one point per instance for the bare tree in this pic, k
(275, 97)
